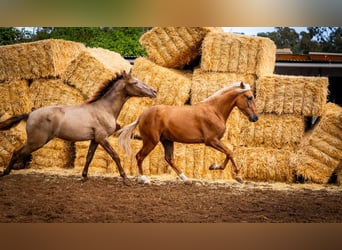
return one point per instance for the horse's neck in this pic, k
(225, 103)
(113, 103)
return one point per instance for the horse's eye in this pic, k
(249, 98)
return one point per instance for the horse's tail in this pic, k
(14, 120)
(125, 135)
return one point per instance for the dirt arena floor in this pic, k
(33, 196)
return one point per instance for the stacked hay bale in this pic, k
(52, 72)
(320, 152)
(26, 72)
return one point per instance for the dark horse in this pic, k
(93, 120)
(204, 122)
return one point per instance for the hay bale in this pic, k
(233, 53)
(93, 67)
(282, 94)
(321, 150)
(275, 131)
(46, 58)
(14, 96)
(264, 164)
(173, 87)
(204, 84)
(174, 47)
(56, 153)
(53, 92)
(11, 140)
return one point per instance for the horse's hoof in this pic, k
(144, 180)
(188, 182)
(239, 179)
(127, 182)
(214, 166)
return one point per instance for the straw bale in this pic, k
(14, 96)
(56, 153)
(93, 67)
(53, 92)
(321, 150)
(264, 164)
(172, 86)
(282, 94)
(46, 58)
(233, 53)
(11, 140)
(204, 84)
(276, 131)
(174, 47)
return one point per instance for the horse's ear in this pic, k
(125, 75)
(242, 85)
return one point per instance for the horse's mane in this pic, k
(228, 87)
(104, 88)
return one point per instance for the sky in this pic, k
(252, 31)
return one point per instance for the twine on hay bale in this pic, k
(46, 58)
(274, 131)
(11, 140)
(174, 47)
(93, 67)
(233, 53)
(53, 92)
(321, 150)
(264, 164)
(14, 96)
(204, 84)
(282, 94)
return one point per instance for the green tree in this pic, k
(123, 40)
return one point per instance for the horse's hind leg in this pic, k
(91, 151)
(168, 147)
(147, 147)
(22, 153)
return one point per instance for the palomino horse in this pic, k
(204, 122)
(93, 120)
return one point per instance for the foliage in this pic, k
(123, 40)
(316, 39)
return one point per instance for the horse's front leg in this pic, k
(217, 144)
(91, 151)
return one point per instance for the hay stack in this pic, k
(11, 140)
(14, 96)
(46, 58)
(53, 92)
(320, 151)
(227, 52)
(281, 94)
(92, 67)
(174, 47)
(56, 153)
(274, 131)
(204, 84)
(173, 87)
(264, 164)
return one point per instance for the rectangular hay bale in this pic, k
(93, 67)
(204, 84)
(233, 53)
(45, 58)
(321, 150)
(174, 47)
(283, 94)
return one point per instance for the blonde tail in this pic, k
(125, 136)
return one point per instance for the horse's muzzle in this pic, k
(153, 93)
(253, 118)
